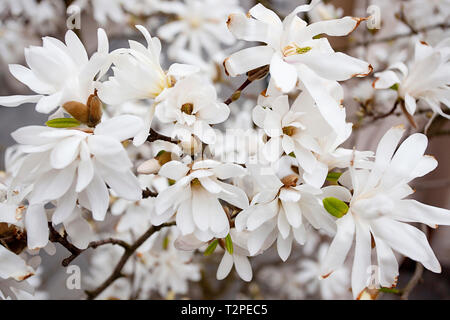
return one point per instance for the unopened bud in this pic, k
(290, 180)
(77, 110)
(149, 167)
(258, 73)
(95, 110)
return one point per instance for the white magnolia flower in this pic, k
(200, 24)
(300, 130)
(13, 40)
(281, 212)
(334, 287)
(104, 10)
(294, 54)
(426, 79)
(195, 196)
(67, 166)
(59, 72)
(192, 105)
(378, 209)
(138, 75)
(166, 268)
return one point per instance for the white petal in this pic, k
(284, 74)
(248, 59)
(174, 170)
(225, 266)
(243, 267)
(98, 197)
(340, 246)
(36, 226)
(284, 246)
(122, 127)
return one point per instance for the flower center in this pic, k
(294, 49)
(187, 108)
(289, 131)
(290, 180)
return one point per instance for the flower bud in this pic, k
(149, 167)
(95, 110)
(77, 110)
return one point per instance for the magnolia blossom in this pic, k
(104, 10)
(195, 196)
(201, 24)
(295, 54)
(324, 11)
(426, 79)
(72, 165)
(377, 209)
(138, 75)
(166, 268)
(300, 130)
(59, 72)
(191, 104)
(281, 211)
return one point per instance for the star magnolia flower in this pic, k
(427, 79)
(294, 54)
(165, 267)
(324, 11)
(195, 196)
(70, 165)
(278, 212)
(300, 129)
(104, 10)
(201, 24)
(192, 106)
(378, 209)
(138, 75)
(59, 72)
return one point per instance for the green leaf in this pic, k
(335, 207)
(292, 154)
(62, 123)
(212, 246)
(390, 290)
(165, 244)
(160, 153)
(229, 244)
(333, 176)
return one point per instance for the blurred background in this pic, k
(25, 22)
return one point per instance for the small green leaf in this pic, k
(165, 244)
(212, 246)
(62, 123)
(229, 244)
(335, 207)
(292, 154)
(318, 36)
(171, 182)
(394, 87)
(333, 176)
(390, 290)
(160, 153)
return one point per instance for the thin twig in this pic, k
(117, 273)
(417, 276)
(236, 94)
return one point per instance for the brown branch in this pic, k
(153, 136)
(252, 75)
(388, 113)
(117, 273)
(397, 36)
(56, 237)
